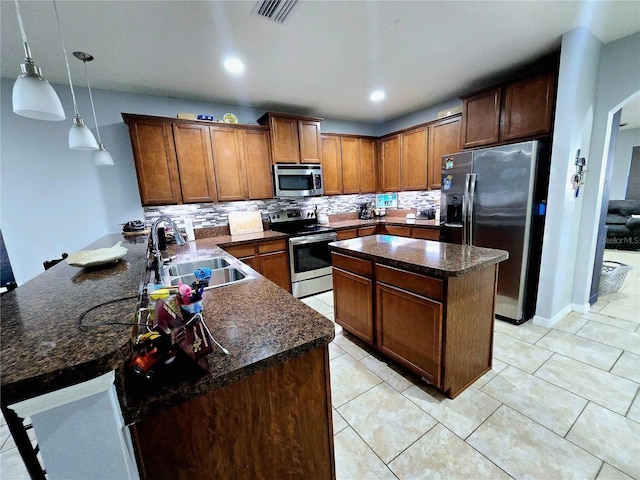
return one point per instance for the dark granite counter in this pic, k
(421, 256)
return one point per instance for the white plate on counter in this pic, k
(100, 256)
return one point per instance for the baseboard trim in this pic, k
(581, 308)
(550, 322)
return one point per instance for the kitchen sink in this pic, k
(187, 268)
(219, 277)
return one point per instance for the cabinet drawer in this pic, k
(239, 251)
(347, 234)
(275, 246)
(413, 282)
(364, 231)
(425, 233)
(351, 264)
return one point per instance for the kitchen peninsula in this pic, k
(264, 410)
(427, 305)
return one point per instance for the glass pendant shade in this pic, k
(34, 97)
(102, 157)
(80, 137)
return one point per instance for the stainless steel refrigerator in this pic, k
(496, 197)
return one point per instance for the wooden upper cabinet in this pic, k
(155, 160)
(413, 160)
(227, 160)
(350, 165)
(444, 138)
(528, 107)
(331, 165)
(294, 139)
(481, 118)
(368, 165)
(195, 163)
(390, 164)
(257, 161)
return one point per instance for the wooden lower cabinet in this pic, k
(270, 259)
(396, 230)
(276, 423)
(364, 231)
(425, 233)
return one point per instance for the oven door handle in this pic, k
(321, 237)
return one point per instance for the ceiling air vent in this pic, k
(274, 10)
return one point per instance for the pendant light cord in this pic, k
(27, 52)
(64, 50)
(91, 98)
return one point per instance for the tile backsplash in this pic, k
(215, 214)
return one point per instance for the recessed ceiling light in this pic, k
(234, 65)
(377, 96)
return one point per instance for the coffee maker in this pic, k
(365, 211)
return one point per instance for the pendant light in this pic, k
(101, 157)
(33, 96)
(80, 137)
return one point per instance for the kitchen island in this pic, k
(264, 410)
(427, 305)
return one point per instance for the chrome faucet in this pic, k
(159, 271)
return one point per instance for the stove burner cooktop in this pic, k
(296, 222)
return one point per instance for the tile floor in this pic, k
(560, 403)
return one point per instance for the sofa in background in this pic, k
(623, 230)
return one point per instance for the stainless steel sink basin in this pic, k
(187, 268)
(219, 277)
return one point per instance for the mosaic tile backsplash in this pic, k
(215, 214)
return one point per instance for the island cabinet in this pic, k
(270, 259)
(294, 138)
(429, 306)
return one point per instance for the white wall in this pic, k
(579, 62)
(627, 139)
(618, 82)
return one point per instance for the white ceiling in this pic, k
(324, 60)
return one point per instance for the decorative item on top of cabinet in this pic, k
(444, 138)
(294, 138)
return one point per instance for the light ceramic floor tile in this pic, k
(326, 297)
(349, 379)
(356, 461)
(520, 354)
(599, 305)
(625, 296)
(461, 415)
(603, 388)
(581, 349)
(604, 319)
(318, 306)
(386, 420)
(609, 436)
(330, 316)
(624, 312)
(634, 410)
(11, 466)
(386, 373)
(339, 423)
(607, 472)
(527, 332)
(628, 366)
(612, 336)
(440, 454)
(543, 402)
(570, 323)
(335, 351)
(350, 347)
(496, 367)
(507, 438)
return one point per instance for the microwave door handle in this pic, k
(470, 203)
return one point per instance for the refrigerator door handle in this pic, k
(465, 208)
(471, 177)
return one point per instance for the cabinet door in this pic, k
(396, 230)
(331, 165)
(347, 234)
(257, 162)
(390, 164)
(353, 303)
(275, 266)
(310, 142)
(425, 233)
(155, 159)
(444, 138)
(364, 231)
(195, 163)
(409, 330)
(413, 166)
(285, 146)
(528, 107)
(481, 118)
(227, 161)
(252, 261)
(350, 165)
(368, 165)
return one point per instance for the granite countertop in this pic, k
(43, 349)
(421, 256)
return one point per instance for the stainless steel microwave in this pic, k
(299, 180)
